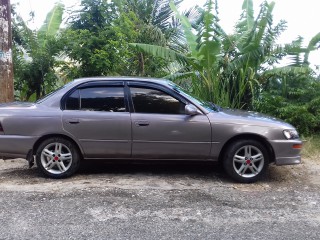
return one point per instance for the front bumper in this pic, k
(288, 161)
(284, 152)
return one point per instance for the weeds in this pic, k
(311, 147)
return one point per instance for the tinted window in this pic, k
(147, 100)
(109, 99)
(73, 101)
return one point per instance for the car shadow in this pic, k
(212, 171)
(202, 170)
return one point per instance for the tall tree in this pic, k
(90, 40)
(98, 37)
(157, 25)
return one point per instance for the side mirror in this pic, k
(191, 110)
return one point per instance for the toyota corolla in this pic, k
(128, 118)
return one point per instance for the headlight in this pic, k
(291, 134)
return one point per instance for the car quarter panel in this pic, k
(24, 126)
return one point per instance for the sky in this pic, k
(302, 17)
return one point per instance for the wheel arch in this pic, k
(41, 139)
(247, 136)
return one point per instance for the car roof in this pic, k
(55, 99)
(122, 78)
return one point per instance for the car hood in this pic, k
(246, 117)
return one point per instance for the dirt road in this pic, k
(159, 201)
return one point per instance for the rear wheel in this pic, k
(58, 157)
(246, 161)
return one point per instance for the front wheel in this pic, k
(246, 160)
(58, 157)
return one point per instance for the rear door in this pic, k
(97, 115)
(162, 130)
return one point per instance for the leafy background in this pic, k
(245, 69)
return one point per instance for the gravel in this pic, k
(158, 201)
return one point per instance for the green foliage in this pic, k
(292, 92)
(294, 98)
(226, 68)
(97, 41)
(53, 20)
(35, 55)
(90, 41)
(297, 114)
(244, 69)
(313, 45)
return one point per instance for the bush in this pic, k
(301, 110)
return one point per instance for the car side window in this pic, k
(148, 100)
(107, 99)
(73, 101)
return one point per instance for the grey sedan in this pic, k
(144, 119)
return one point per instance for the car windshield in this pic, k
(207, 105)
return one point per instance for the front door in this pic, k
(162, 130)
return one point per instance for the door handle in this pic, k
(142, 124)
(73, 121)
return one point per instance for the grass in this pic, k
(311, 147)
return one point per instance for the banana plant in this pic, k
(52, 23)
(314, 44)
(205, 56)
(36, 52)
(231, 69)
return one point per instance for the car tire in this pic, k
(57, 157)
(246, 161)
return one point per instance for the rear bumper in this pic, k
(13, 146)
(284, 152)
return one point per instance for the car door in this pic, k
(162, 130)
(97, 116)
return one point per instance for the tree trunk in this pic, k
(6, 67)
(141, 64)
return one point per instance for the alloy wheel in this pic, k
(56, 158)
(248, 161)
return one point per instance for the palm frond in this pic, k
(313, 45)
(286, 70)
(191, 38)
(208, 38)
(266, 21)
(161, 52)
(247, 14)
(53, 21)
